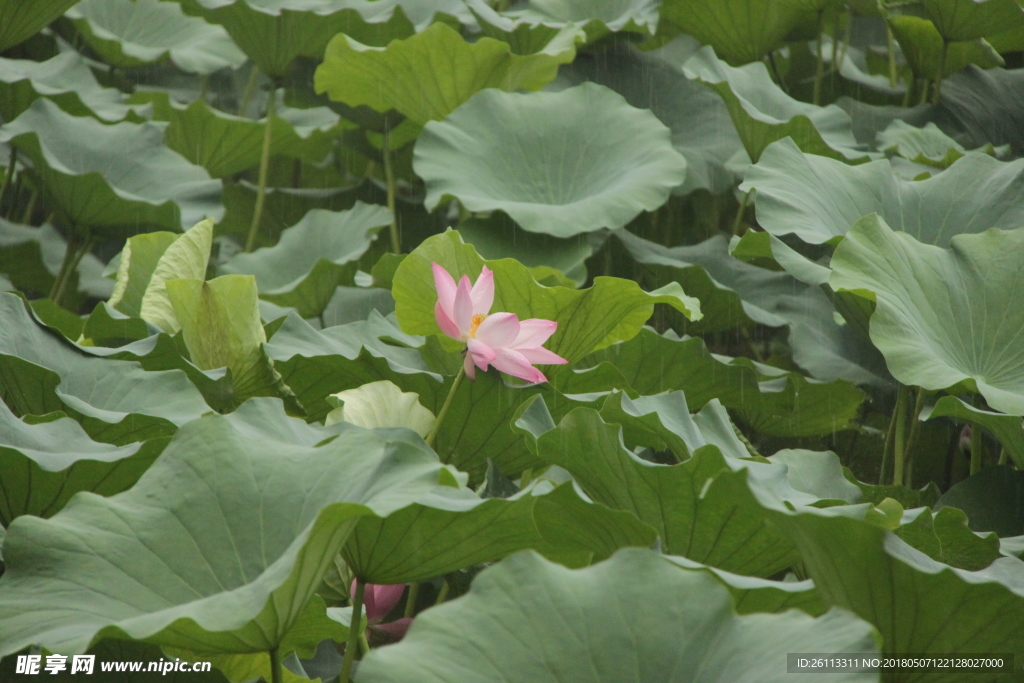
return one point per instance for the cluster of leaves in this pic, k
(782, 241)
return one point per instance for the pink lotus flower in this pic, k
(378, 600)
(499, 339)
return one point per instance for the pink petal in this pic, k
(483, 292)
(533, 332)
(480, 353)
(515, 364)
(445, 322)
(468, 366)
(394, 630)
(541, 356)
(378, 600)
(498, 330)
(445, 286)
(462, 311)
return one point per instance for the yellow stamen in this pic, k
(477, 319)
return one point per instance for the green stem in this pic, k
(364, 644)
(204, 86)
(9, 175)
(942, 72)
(1003, 456)
(389, 177)
(353, 633)
(261, 190)
(890, 435)
(910, 90)
(819, 69)
(250, 88)
(890, 43)
(775, 70)
(977, 443)
(740, 213)
(27, 216)
(442, 594)
(76, 250)
(915, 426)
(924, 91)
(276, 669)
(444, 409)
(410, 602)
(847, 37)
(899, 444)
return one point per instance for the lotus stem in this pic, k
(890, 43)
(924, 91)
(250, 88)
(915, 426)
(364, 644)
(740, 213)
(389, 177)
(1003, 456)
(977, 443)
(887, 449)
(899, 441)
(276, 669)
(261, 190)
(942, 73)
(442, 594)
(353, 632)
(819, 68)
(30, 209)
(444, 409)
(76, 250)
(9, 175)
(410, 601)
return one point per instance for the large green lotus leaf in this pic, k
(397, 77)
(22, 19)
(993, 500)
(945, 537)
(922, 46)
(663, 422)
(694, 113)
(969, 19)
(497, 237)
(752, 595)
(318, 363)
(598, 18)
(530, 34)
(701, 508)
(918, 604)
(770, 400)
(313, 257)
(942, 316)
(221, 327)
(732, 293)
(225, 144)
(988, 105)
(927, 145)
(818, 199)
(130, 33)
(65, 79)
(622, 306)
(740, 30)
(116, 180)
(40, 374)
(528, 619)
(534, 162)
(216, 549)
(43, 465)
(453, 528)
(149, 261)
(381, 404)
(32, 258)
(273, 33)
(1009, 429)
(763, 113)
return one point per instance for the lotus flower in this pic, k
(499, 339)
(378, 601)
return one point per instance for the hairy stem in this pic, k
(250, 88)
(353, 632)
(276, 669)
(915, 426)
(389, 177)
(740, 213)
(410, 601)
(442, 594)
(9, 175)
(261, 190)
(899, 440)
(977, 443)
(444, 409)
(76, 250)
